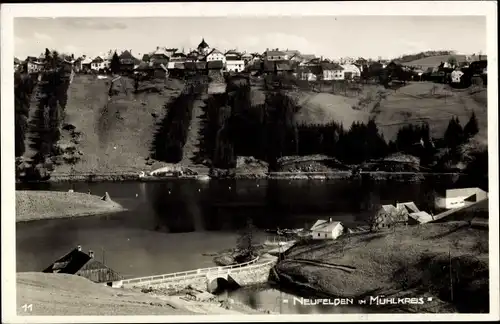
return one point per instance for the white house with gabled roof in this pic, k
(456, 198)
(216, 55)
(327, 229)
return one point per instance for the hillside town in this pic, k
(164, 61)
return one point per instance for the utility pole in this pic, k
(102, 250)
(451, 278)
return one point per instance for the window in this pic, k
(319, 234)
(325, 234)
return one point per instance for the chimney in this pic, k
(79, 247)
(91, 254)
(330, 220)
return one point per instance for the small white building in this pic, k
(351, 71)
(456, 198)
(456, 76)
(327, 229)
(98, 63)
(216, 55)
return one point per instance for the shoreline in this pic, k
(334, 175)
(33, 205)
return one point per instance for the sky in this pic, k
(329, 36)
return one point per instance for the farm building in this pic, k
(456, 198)
(421, 217)
(327, 229)
(388, 216)
(84, 265)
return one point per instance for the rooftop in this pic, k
(322, 225)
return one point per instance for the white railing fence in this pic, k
(190, 274)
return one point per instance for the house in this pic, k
(388, 216)
(327, 229)
(97, 64)
(84, 265)
(456, 76)
(456, 198)
(332, 71)
(478, 210)
(34, 67)
(275, 55)
(127, 61)
(310, 73)
(409, 207)
(159, 56)
(192, 56)
(420, 217)
(203, 47)
(351, 71)
(246, 57)
(86, 64)
(234, 63)
(17, 63)
(216, 55)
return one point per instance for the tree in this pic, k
(471, 128)
(452, 60)
(453, 135)
(115, 64)
(245, 242)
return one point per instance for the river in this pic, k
(175, 225)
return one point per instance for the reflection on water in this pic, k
(274, 300)
(170, 225)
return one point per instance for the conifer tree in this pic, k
(471, 128)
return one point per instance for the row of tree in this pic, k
(235, 128)
(24, 86)
(47, 120)
(172, 133)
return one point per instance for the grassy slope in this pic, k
(409, 104)
(117, 138)
(31, 205)
(59, 294)
(407, 259)
(415, 102)
(68, 295)
(431, 61)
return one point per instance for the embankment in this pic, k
(448, 262)
(35, 205)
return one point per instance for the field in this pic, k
(414, 260)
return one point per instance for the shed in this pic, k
(327, 229)
(410, 207)
(456, 198)
(84, 265)
(421, 217)
(389, 215)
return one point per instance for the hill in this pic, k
(116, 135)
(411, 261)
(433, 61)
(433, 103)
(414, 103)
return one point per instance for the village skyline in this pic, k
(143, 35)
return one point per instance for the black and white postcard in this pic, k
(190, 162)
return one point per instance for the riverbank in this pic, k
(69, 295)
(34, 205)
(344, 175)
(447, 262)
